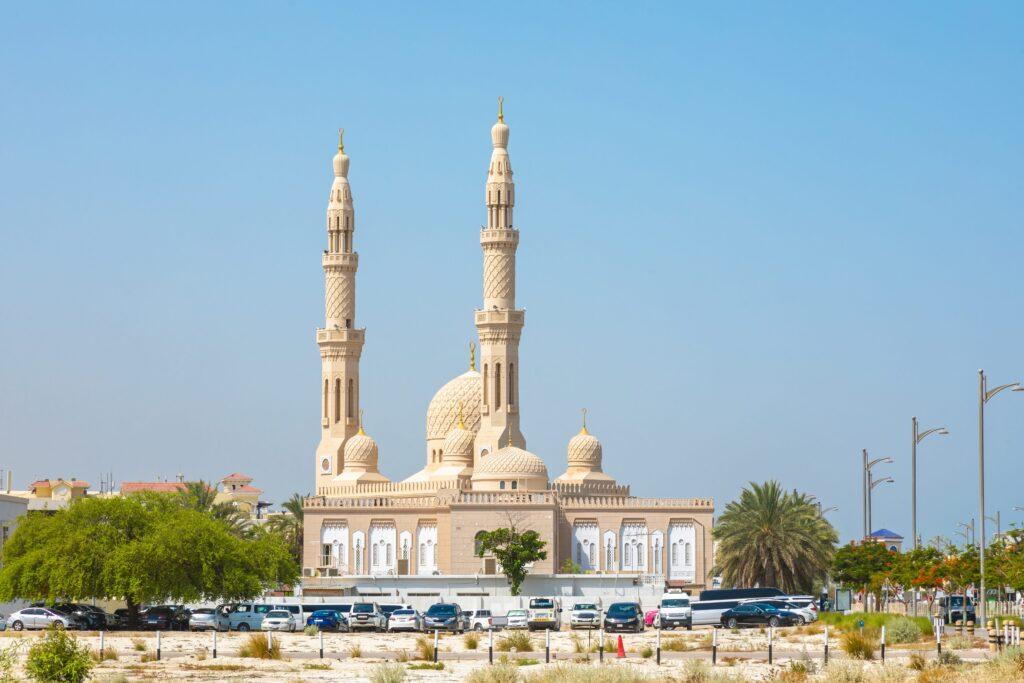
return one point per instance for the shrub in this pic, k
(428, 666)
(311, 630)
(948, 658)
(674, 645)
(355, 651)
(502, 672)
(402, 656)
(519, 640)
(255, 646)
(388, 673)
(472, 641)
(147, 656)
(902, 630)
(958, 642)
(872, 621)
(917, 662)
(8, 661)
(646, 651)
(424, 648)
(58, 656)
(139, 645)
(858, 646)
(104, 654)
(844, 672)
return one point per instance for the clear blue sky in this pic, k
(755, 238)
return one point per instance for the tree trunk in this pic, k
(133, 613)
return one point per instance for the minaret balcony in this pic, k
(499, 237)
(340, 335)
(340, 260)
(515, 317)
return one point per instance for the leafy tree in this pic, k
(141, 549)
(770, 537)
(514, 550)
(570, 567)
(289, 524)
(864, 566)
(201, 496)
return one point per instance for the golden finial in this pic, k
(361, 423)
(501, 109)
(584, 429)
(472, 356)
(341, 141)
(462, 425)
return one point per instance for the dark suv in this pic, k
(446, 616)
(624, 616)
(953, 609)
(167, 618)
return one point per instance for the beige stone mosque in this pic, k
(364, 528)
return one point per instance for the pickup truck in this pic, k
(485, 620)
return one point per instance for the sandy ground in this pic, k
(189, 656)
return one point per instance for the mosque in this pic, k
(363, 528)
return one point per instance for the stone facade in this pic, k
(478, 474)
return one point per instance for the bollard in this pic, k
(600, 647)
(547, 646)
(437, 637)
(714, 645)
(270, 640)
(938, 638)
(771, 639)
(101, 645)
(158, 646)
(826, 644)
(490, 646)
(215, 643)
(658, 659)
(883, 643)
(321, 643)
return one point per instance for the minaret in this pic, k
(499, 324)
(340, 342)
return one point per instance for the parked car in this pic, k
(40, 617)
(327, 620)
(674, 611)
(545, 613)
(806, 612)
(405, 620)
(124, 617)
(759, 614)
(366, 616)
(952, 609)
(584, 615)
(88, 617)
(446, 616)
(278, 620)
(481, 620)
(247, 616)
(624, 616)
(517, 618)
(649, 617)
(207, 619)
(387, 610)
(167, 618)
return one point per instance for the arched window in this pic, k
(675, 554)
(423, 555)
(609, 554)
(579, 553)
(591, 552)
(510, 381)
(501, 485)
(478, 542)
(486, 402)
(688, 554)
(374, 555)
(327, 385)
(627, 556)
(497, 385)
(515, 485)
(350, 399)
(405, 549)
(389, 555)
(337, 399)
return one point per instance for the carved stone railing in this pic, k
(505, 498)
(620, 502)
(392, 488)
(602, 488)
(384, 502)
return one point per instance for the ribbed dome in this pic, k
(499, 135)
(458, 445)
(513, 461)
(361, 450)
(584, 450)
(341, 159)
(443, 411)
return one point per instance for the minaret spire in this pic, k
(340, 342)
(499, 323)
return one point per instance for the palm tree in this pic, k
(198, 495)
(289, 524)
(773, 538)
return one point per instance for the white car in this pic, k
(39, 617)
(517, 618)
(674, 610)
(405, 620)
(481, 620)
(585, 615)
(279, 620)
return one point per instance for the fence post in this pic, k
(101, 646)
(437, 637)
(490, 646)
(270, 640)
(771, 642)
(658, 659)
(321, 633)
(547, 646)
(215, 642)
(158, 646)
(600, 647)
(826, 644)
(714, 646)
(883, 643)
(939, 626)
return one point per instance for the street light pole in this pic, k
(984, 396)
(864, 489)
(871, 487)
(867, 489)
(918, 438)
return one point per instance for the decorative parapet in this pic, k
(500, 498)
(622, 502)
(399, 488)
(599, 488)
(381, 502)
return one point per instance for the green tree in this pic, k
(770, 537)
(863, 566)
(140, 549)
(201, 496)
(514, 550)
(289, 524)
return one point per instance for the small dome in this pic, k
(361, 450)
(341, 159)
(584, 450)
(499, 131)
(443, 411)
(458, 445)
(513, 461)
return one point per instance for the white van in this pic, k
(544, 613)
(247, 616)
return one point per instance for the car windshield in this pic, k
(585, 605)
(403, 612)
(323, 613)
(517, 613)
(958, 601)
(203, 610)
(675, 602)
(440, 610)
(541, 603)
(279, 614)
(362, 608)
(622, 610)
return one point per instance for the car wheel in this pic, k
(803, 621)
(478, 627)
(242, 628)
(774, 622)
(58, 625)
(689, 626)
(17, 626)
(732, 623)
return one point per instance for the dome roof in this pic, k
(513, 461)
(458, 445)
(361, 450)
(584, 450)
(443, 411)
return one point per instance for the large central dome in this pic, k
(443, 412)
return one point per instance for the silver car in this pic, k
(39, 617)
(278, 620)
(405, 620)
(207, 619)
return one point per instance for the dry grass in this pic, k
(139, 644)
(148, 656)
(471, 641)
(255, 646)
(858, 646)
(517, 640)
(355, 651)
(107, 653)
(425, 648)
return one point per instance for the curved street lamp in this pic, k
(919, 436)
(871, 487)
(865, 492)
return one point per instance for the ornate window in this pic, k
(485, 384)
(675, 554)
(374, 555)
(337, 399)
(497, 385)
(327, 384)
(501, 485)
(579, 553)
(688, 554)
(325, 555)
(511, 375)
(423, 555)
(350, 399)
(515, 485)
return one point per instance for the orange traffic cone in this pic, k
(621, 654)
